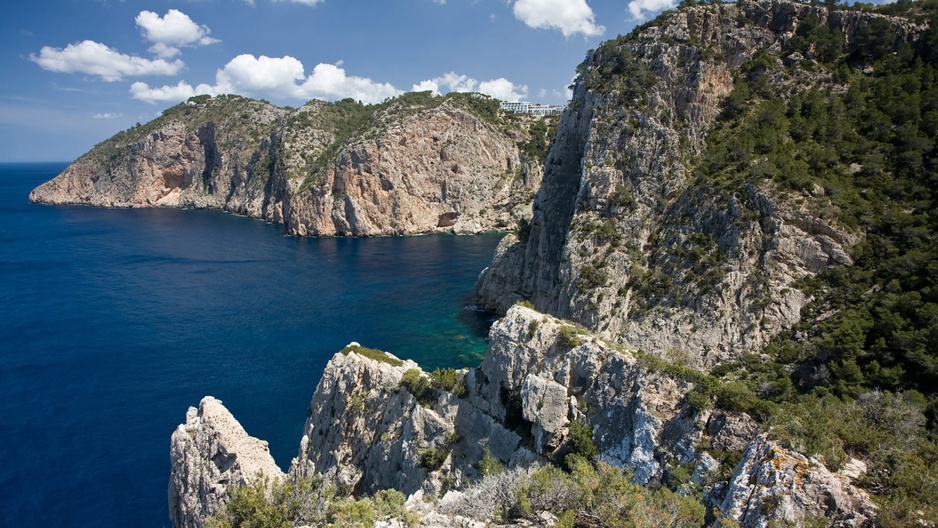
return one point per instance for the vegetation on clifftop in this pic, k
(859, 148)
(847, 129)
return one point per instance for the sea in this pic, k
(113, 322)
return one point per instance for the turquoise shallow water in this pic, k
(114, 322)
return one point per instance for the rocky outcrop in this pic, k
(630, 255)
(433, 166)
(210, 453)
(627, 241)
(773, 484)
(366, 431)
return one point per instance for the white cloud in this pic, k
(275, 78)
(304, 2)
(173, 31)
(453, 82)
(270, 76)
(640, 9)
(569, 16)
(94, 58)
(503, 89)
(106, 115)
(180, 92)
(426, 86)
(328, 81)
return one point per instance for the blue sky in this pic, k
(77, 71)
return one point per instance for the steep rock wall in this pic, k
(624, 239)
(209, 453)
(440, 168)
(366, 431)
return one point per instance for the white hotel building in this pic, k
(524, 107)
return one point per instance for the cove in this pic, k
(114, 322)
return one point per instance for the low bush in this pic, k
(414, 382)
(306, 501)
(449, 380)
(372, 353)
(567, 337)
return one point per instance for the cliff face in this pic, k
(368, 431)
(404, 167)
(645, 244)
(629, 240)
(211, 452)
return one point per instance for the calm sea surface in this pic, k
(114, 322)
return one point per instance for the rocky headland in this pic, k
(720, 312)
(414, 164)
(697, 319)
(370, 429)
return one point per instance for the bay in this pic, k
(114, 322)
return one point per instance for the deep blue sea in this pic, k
(114, 322)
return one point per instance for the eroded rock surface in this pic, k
(774, 484)
(626, 240)
(366, 432)
(209, 453)
(436, 167)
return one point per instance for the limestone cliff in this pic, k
(211, 452)
(367, 431)
(646, 243)
(631, 238)
(414, 164)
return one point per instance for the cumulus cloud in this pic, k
(304, 2)
(453, 82)
(449, 82)
(503, 89)
(569, 16)
(172, 31)
(94, 58)
(328, 81)
(106, 115)
(182, 91)
(275, 78)
(640, 9)
(270, 76)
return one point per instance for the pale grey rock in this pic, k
(774, 484)
(632, 411)
(544, 403)
(439, 169)
(365, 433)
(705, 465)
(731, 431)
(209, 453)
(612, 144)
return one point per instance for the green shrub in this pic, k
(622, 197)
(350, 512)
(371, 353)
(581, 440)
(567, 337)
(450, 381)
(603, 495)
(431, 458)
(591, 278)
(414, 382)
(489, 465)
